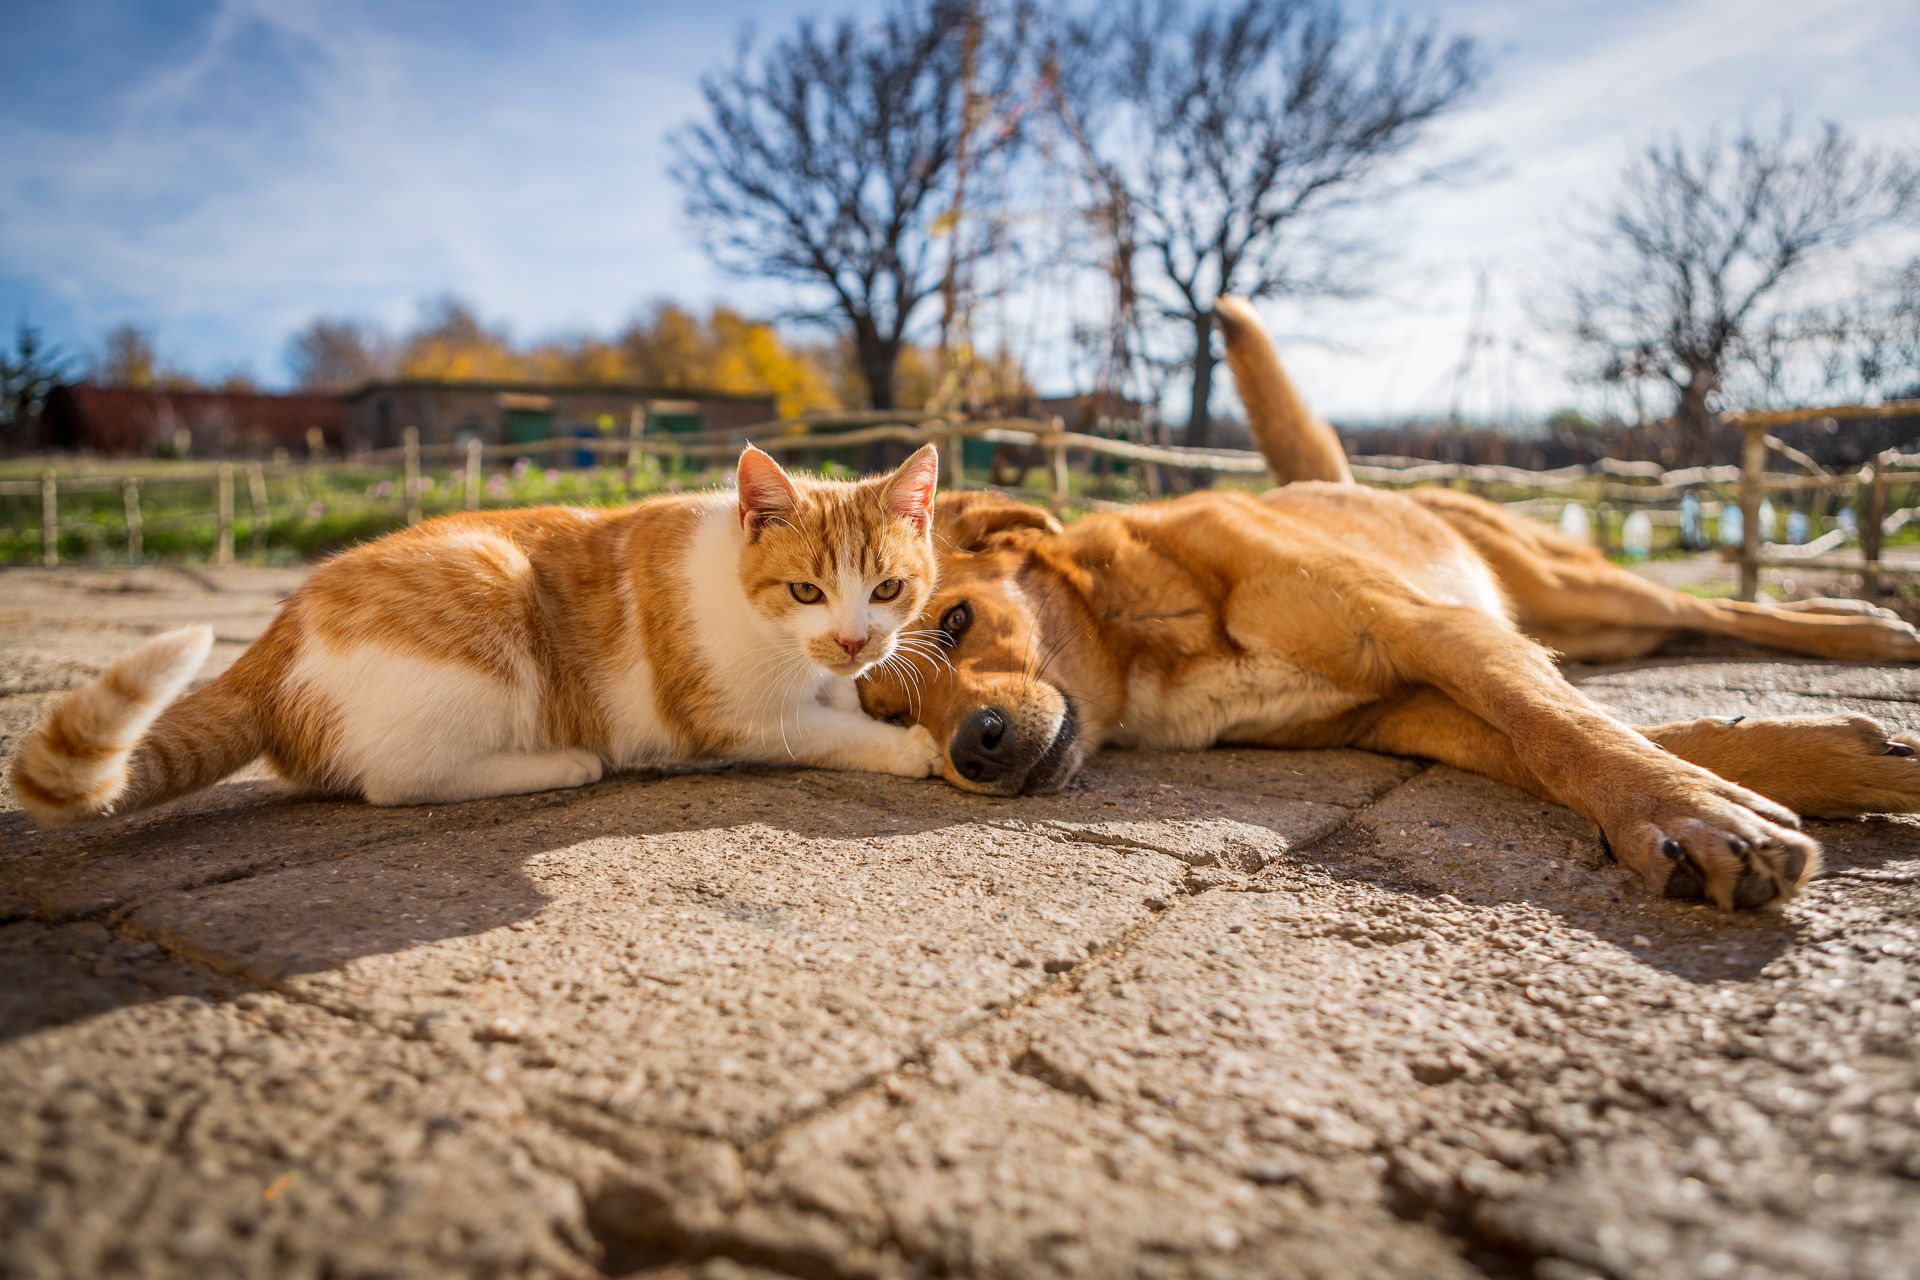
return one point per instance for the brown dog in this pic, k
(1419, 624)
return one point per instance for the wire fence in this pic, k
(1609, 486)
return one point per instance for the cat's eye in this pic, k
(888, 590)
(900, 721)
(955, 622)
(806, 592)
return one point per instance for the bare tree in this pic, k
(1698, 251)
(338, 355)
(1863, 347)
(129, 358)
(1236, 133)
(830, 160)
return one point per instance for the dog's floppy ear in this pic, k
(975, 520)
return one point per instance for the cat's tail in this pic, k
(1296, 442)
(122, 743)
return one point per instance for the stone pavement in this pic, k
(1223, 1014)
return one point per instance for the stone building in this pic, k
(145, 421)
(520, 412)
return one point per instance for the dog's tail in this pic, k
(1296, 443)
(121, 742)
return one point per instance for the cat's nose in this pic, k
(853, 645)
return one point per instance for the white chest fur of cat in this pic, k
(518, 651)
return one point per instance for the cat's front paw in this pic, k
(919, 755)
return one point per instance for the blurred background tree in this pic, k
(1238, 138)
(831, 160)
(668, 348)
(1697, 252)
(339, 354)
(28, 372)
(128, 358)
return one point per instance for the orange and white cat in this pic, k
(506, 652)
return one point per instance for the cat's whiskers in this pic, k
(772, 662)
(786, 701)
(926, 644)
(932, 657)
(900, 662)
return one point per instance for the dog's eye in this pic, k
(806, 592)
(888, 590)
(955, 622)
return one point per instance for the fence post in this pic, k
(1753, 470)
(473, 474)
(410, 441)
(636, 426)
(130, 492)
(49, 519)
(223, 509)
(257, 505)
(1872, 529)
(1057, 464)
(1152, 474)
(953, 463)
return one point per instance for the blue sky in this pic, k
(222, 172)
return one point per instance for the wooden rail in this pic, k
(1608, 480)
(1871, 481)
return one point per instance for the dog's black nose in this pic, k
(982, 747)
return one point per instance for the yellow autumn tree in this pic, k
(452, 344)
(997, 382)
(669, 348)
(673, 349)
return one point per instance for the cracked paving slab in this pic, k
(1225, 1014)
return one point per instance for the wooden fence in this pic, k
(1609, 482)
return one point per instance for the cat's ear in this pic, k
(766, 492)
(909, 491)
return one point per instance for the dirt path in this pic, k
(1228, 1014)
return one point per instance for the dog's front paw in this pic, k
(1717, 842)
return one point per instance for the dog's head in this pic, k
(985, 672)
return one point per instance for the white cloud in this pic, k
(385, 167)
(384, 164)
(1578, 90)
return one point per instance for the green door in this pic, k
(677, 420)
(525, 426)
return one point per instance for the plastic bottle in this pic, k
(1575, 524)
(1636, 536)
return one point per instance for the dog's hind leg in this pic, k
(1841, 766)
(1601, 644)
(1572, 599)
(1598, 611)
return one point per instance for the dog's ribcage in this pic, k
(1237, 699)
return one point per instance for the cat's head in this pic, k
(838, 566)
